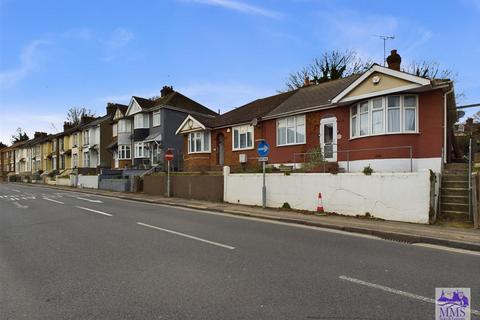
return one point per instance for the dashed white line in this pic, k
(395, 291)
(53, 200)
(96, 211)
(20, 206)
(187, 236)
(89, 200)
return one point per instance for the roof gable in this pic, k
(133, 107)
(118, 114)
(379, 80)
(190, 124)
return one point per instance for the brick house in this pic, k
(383, 117)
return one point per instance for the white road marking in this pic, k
(96, 211)
(395, 291)
(449, 249)
(89, 200)
(53, 200)
(16, 190)
(20, 206)
(187, 236)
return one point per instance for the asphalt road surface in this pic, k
(69, 255)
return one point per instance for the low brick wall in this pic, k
(200, 187)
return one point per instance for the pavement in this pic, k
(66, 254)
(461, 238)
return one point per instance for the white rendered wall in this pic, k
(390, 196)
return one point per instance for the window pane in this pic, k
(300, 133)
(198, 144)
(249, 139)
(300, 120)
(377, 121)
(410, 119)
(364, 124)
(243, 140)
(206, 141)
(354, 126)
(377, 103)
(394, 120)
(290, 135)
(290, 122)
(394, 102)
(282, 133)
(364, 107)
(354, 110)
(409, 101)
(235, 139)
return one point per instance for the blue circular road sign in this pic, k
(263, 148)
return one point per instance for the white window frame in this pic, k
(141, 150)
(122, 152)
(86, 138)
(124, 126)
(141, 121)
(86, 159)
(205, 142)
(355, 131)
(114, 130)
(297, 121)
(248, 128)
(156, 120)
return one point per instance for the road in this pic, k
(70, 255)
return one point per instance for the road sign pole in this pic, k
(264, 188)
(168, 178)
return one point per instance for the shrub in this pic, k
(367, 170)
(314, 158)
(286, 205)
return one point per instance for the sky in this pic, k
(222, 53)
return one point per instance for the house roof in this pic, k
(178, 101)
(313, 96)
(144, 103)
(97, 121)
(255, 109)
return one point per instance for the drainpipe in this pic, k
(445, 124)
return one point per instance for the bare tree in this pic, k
(20, 135)
(430, 69)
(75, 114)
(329, 66)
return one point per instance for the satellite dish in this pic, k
(254, 122)
(460, 114)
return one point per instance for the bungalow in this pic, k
(154, 123)
(383, 117)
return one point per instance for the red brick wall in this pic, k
(426, 144)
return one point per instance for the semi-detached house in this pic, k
(383, 117)
(148, 128)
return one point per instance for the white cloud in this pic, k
(28, 63)
(240, 7)
(120, 38)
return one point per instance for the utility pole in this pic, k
(384, 38)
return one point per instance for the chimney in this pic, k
(166, 90)
(111, 108)
(306, 82)
(85, 119)
(67, 125)
(394, 60)
(39, 134)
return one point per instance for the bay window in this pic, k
(124, 126)
(242, 137)
(140, 121)
(124, 152)
(384, 115)
(141, 150)
(291, 130)
(199, 142)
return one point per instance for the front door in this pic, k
(221, 149)
(328, 138)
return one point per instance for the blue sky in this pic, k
(223, 53)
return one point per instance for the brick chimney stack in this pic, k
(39, 134)
(67, 125)
(306, 82)
(111, 108)
(166, 90)
(394, 60)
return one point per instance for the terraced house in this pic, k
(383, 117)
